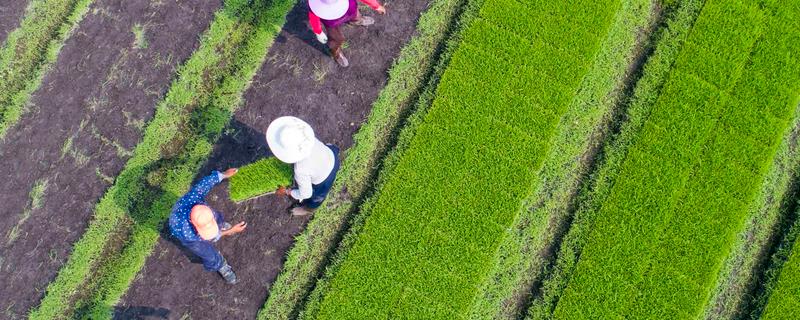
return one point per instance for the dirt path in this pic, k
(298, 79)
(11, 13)
(84, 121)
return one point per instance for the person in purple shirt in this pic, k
(196, 226)
(333, 14)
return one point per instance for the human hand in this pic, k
(322, 38)
(230, 172)
(239, 227)
(283, 191)
(381, 10)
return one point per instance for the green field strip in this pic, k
(741, 269)
(406, 95)
(435, 223)
(31, 49)
(668, 42)
(518, 262)
(260, 177)
(176, 142)
(661, 236)
(781, 300)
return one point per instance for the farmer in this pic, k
(315, 164)
(197, 226)
(333, 14)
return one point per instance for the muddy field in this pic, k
(81, 128)
(298, 79)
(11, 13)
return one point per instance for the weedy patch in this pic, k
(140, 36)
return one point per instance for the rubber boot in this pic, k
(341, 59)
(227, 273)
(301, 211)
(363, 22)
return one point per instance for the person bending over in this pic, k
(333, 14)
(197, 226)
(315, 164)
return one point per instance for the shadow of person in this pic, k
(238, 146)
(297, 26)
(129, 313)
(167, 235)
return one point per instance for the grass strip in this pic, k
(412, 72)
(779, 298)
(176, 142)
(669, 39)
(742, 268)
(30, 51)
(660, 238)
(430, 234)
(526, 247)
(260, 177)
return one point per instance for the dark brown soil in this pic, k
(82, 125)
(11, 13)
(298, 79)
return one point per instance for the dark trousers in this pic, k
(336, 38)
(320, 191)
(205, 250)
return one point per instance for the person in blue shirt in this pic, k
(197, 226)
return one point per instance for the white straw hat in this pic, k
(329, 9)
(290, 139)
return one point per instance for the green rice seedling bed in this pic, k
(260, 178)
(660, 238)
(434, 225)
(783, 297)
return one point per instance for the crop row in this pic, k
(748, 262)
(683, 190)
(782, 296)
(176, 142)
(435, 223)
(526, 245)
(31, 49)
(667, 43)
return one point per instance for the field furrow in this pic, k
(286, 84)
(85, 120)
(175, 143)
(11, 13)
(683, 189)
(30, 50)
(435, 223)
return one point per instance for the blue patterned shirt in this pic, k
(179, 221)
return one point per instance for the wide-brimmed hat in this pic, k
(329, 9)
(290, 139)
(203, 220)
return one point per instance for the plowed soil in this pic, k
(298, 79)
(82, 124)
